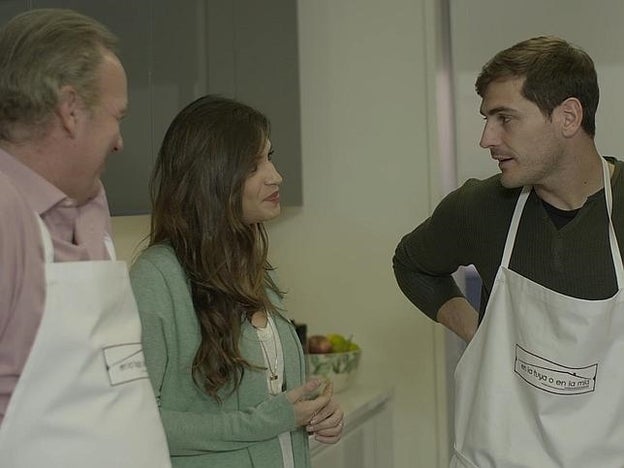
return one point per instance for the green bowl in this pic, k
(340, 368)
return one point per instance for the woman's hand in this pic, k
(305, 406)
(328, 423)
(322, 415)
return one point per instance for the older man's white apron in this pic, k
(84, 398)
(542, 382)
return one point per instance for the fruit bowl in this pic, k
(340, 368)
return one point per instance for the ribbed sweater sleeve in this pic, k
(426, 258)
(470, 225)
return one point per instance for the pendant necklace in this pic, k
(272, 371)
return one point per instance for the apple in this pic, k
(339, 343)
(319, 344)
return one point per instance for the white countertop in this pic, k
(357, 403)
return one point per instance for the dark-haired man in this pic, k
(541, 383)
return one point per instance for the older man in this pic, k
(73, 386)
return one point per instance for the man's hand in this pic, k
(460, 317)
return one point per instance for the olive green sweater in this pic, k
(470, 227)
(243, 430)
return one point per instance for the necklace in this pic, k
(273, 375)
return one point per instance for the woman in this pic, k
(226, 367)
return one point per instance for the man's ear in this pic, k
(68, 109)
(570, 113)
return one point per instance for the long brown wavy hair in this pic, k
(208, 152)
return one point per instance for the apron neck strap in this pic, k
(48, 247)
(615, 249)
(515, 222)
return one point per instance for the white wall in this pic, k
(365, 184)
(480, 28)
(367, 84)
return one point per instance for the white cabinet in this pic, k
(367, 439)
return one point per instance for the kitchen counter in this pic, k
(367, 432)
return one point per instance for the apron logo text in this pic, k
(125, 363)
(553, 377)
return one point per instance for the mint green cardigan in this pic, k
(243, 430)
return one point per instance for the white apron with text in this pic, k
(541, 384)
(84, 398)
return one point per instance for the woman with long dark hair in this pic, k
(227, 368)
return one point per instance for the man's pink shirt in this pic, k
(77, 234)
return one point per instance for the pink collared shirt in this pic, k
(77, 234)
